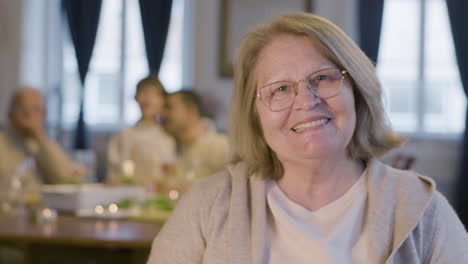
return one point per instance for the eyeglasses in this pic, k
(279, 96)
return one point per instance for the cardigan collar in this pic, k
(396, 202)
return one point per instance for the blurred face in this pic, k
(312, 128)
(28, 112)
(150, 100)
(177, 115)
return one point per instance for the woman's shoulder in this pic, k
(216, 182)
(406, 180)
(121, 133)
(216, 188)
(404, 204)
(211, 184)
(156, 132)
(403, 192)
(207, 200)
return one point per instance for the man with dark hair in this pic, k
(201, 149)
(25, 139)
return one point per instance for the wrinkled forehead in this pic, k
(283, 54)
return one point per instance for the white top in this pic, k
(147, 147)
(332, 234)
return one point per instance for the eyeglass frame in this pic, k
(296, 89)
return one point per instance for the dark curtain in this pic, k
(370, 23)
(83, 20)
(155, 18)
(459, 22)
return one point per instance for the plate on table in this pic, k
(105, 213)
(85, 197)
(156, 209)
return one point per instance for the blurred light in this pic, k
(113, 208)
(99, 209)
(173, 195)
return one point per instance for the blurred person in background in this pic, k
(139, 153)
(25, 138)
(201, 149)
(305, 184)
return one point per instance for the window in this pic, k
(118, 63)
(418, 68)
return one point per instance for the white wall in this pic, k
(41, 45)
(341, 12)
(33, 59)
(10, 37)
(206, 55)
(29, 43)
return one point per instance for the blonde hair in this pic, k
(372, 136)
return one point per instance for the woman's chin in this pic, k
(319, 150)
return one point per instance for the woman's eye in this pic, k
(282, 88)
(321, 77)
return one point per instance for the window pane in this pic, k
(398, 61)
(171, 68)
(444, 99)
(136, 67)
(107, 76)
(101, 98)
(71, 84)
(104, 75)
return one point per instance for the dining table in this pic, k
(70, 239)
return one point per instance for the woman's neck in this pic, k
(317, 183)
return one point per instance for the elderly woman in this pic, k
(305, 187)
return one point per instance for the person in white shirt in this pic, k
(202, 150)
(139, 154)
(305, 186)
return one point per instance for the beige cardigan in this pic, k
(53, 165)
(222, 219)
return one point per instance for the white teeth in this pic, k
(310, 124)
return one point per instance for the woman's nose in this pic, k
(305, 98)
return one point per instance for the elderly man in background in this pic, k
(201, 149)
(25, 142)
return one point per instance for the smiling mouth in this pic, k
(310, 124)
